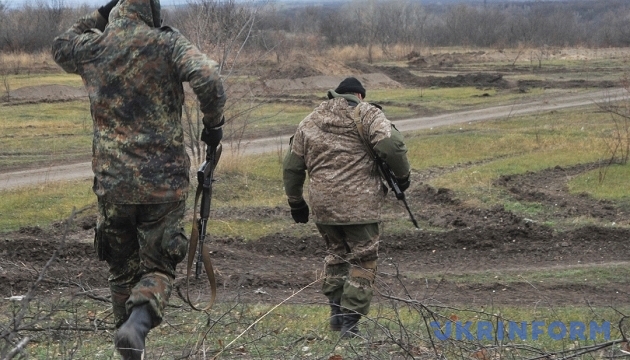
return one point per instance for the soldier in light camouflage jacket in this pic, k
(133, 70)
(345, 192)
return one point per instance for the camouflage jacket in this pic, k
(344, 184)
(133, 73)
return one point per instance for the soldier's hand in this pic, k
(212, 137)
(403, 183)
(106, 9)
(299, 212)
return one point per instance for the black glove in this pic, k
(106, 9)
(212, 137)
(299, 212)
(403, 183)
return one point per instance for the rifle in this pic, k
(386, 172)
(392, 182)
(205, 177)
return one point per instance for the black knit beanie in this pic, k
(350, 85)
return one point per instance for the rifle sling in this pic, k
(370, 151)
(205, 256)
(359, 126)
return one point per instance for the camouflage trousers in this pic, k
(142, 244)
(350, 264)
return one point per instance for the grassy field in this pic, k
(514, 146)
(478, 153)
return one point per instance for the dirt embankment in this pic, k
(463, 240)
(308, 73)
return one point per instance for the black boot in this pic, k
(130, 337)
(336, 316)
(350, 326)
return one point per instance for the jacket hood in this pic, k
(335, 116)
(146, 11)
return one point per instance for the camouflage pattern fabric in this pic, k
(142, 245)
(344, 185)
(350, 264)
(345, 190)
(133, 73)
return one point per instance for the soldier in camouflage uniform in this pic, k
(345, 192)
(133, 70)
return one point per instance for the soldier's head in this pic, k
(351, 85)
(147, 11)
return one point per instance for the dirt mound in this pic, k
(301, 66)
(463, 239)
(325, 82)
(407, 78)
(569, 84)
(44, 93)
(555, 194)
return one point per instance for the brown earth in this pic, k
(462, 240)
(303, 72)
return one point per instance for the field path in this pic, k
(12, 180)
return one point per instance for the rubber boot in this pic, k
(130, 337)
(336, 316)
(350, 325)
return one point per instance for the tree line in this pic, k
(272, 26)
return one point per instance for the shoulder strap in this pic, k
(205, 256)
(359, 125)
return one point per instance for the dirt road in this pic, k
(17, 179)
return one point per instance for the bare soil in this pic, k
(307, 73)
(461, 239)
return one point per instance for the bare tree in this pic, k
(364, 15)
(617, 140)
(402, 23)
(221, 29)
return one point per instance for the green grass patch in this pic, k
(610, 183)
(588, 275)
(266, 119)
(39, 134)
(41, 205)
(513, 146)
(22, 80)
(253, 180)
(527, 209)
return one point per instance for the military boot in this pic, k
(130, 337)
(350, 325)
(336, 315)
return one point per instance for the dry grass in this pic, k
(19, 62)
